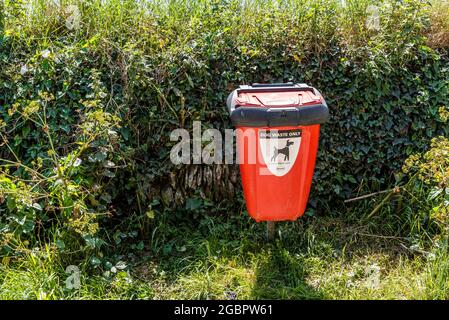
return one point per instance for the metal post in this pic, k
(271, 229)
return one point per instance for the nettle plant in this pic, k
(59, 180)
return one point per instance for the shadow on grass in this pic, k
(282, 276)
(229, 254)
(219, 254)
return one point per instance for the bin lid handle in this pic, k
(268, 85)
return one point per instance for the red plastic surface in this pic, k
(270, 197)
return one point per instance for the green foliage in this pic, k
(86, 111)
(427, 193)
(60, 146)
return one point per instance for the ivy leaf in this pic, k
(95, 261)
(120, 265)
(93, 242)
(37, 206)
(60, 244)
(193, 204)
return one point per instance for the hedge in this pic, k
(86, 114)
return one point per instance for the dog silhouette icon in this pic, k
(285, 151)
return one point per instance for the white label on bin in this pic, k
(279, 149)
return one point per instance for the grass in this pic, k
(439, 32)
(176, 22)
(313, 258)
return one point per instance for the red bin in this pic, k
(277, 131)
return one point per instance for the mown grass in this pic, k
(313, 258)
